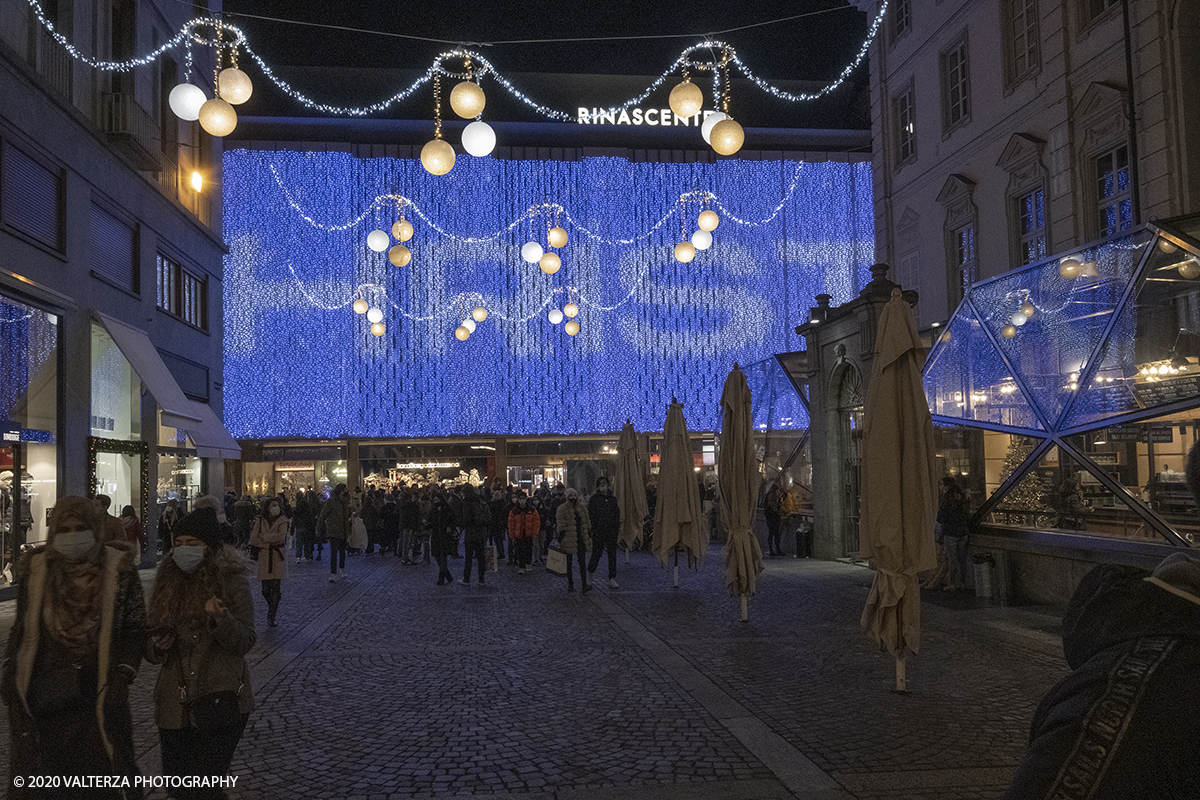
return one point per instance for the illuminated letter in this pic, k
(650, 111)
(583, 117)
(637, 116)
(624, 118)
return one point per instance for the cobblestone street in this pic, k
(388, 686)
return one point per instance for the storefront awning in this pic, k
(211, 438)
(139, 351)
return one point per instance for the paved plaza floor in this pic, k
(389, 686)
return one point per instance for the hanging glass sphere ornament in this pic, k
(1027, 309)
(217, 117)
(702, 240)
(469, 324)
(727, 137)
(374, 315)
(685, 252)
(185, 101)
(1008, 331)
(571, 328)
(479, 314)
(479, 139)
(437, 157)
(1069, 267)
(1019, 319)
(378, 329)
(377, 241)
(531, 252)
(709, 123)
(571, 310)
(402, 229)
(1189, 269)
(686, 99)
(555, 316)
(360, 306)
(557, 237)
(235, 85)
(399, 255)
(467, 100)
(550, 263)
(461, 333)
(708, 220)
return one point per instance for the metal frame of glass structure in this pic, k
(780, 413)
(1077, 343)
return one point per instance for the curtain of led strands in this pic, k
(300, 362)
(30, 342)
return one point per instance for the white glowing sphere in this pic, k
(531, 252)
(702, 240)
(374, 315)
(555, 316)
(1019, 319)
(235, 85)
(469, 324)
(377, 241)
(185, 100)
(709, 121)
(479, 139)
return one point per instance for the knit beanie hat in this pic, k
(201, 523)
(1179, 574)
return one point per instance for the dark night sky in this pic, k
(815, 48)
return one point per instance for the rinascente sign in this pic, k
(638, 116)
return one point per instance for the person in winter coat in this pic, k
(524, 526)
(441, 537)
(773, 514)
(408, 519)
(201, 619)
(335, 515)
(304, 526)
(166, 523)
(244, 515)
(476, 522)
(605, 517)
(135, 533)
(270, 536)
(74, 648)
(955, 521)
(499, 508)
(574, 537)
(1071, 505)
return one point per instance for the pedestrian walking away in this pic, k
(335, 516)
(476, 523)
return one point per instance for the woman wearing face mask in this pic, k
(574, 537)
(524, 524)
(75, 647)
(270, 535)
(201, 627)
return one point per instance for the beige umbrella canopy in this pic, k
(899, 497)
(737, 470)
(630, 490)
(677, 517)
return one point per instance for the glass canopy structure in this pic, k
(781, 422)
(1080, 370)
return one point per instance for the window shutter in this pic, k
(32, 198)
(113, 249)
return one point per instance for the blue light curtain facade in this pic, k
(300, 362)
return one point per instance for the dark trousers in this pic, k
(337, 550)
(581, 557)
(304, 544)
(774, 524)
(497, 538)
(272, 592)
(607, 545)
(192, 751)
(476, 550)
(524, 548)
(444, 575)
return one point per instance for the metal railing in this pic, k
(54, 64)
(168, 176)
(123, 119)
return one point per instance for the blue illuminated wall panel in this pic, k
(300, 362)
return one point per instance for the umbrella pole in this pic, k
(901, 684)
(676, 568)
(745, 611)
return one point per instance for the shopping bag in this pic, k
(556, 561)
(493, 564)
(358, 535)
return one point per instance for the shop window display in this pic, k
(116, 391)
(1084, 367)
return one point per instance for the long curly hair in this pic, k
(178, 598)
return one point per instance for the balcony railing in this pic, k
(168, 177)
(54, 64)
(130, 128)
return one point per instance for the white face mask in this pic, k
(274, 511)
(188, 556)
(74, 545)
(604, 489)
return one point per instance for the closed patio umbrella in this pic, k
(737, 474)
(630, 490)
(677, 518)
(899, 498)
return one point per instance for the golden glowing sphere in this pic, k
(685, 252)
(1008, 331)
(360, 306)
(378, 329)
(1069, 268)
(467, 100)
(557, 237)
(686, 99)
(708, 220)
(235, 85)
(571, 310)
(217, 117)
(399, 255)
(571, 328)
(402, 229)
(1027, 309)
(727, 137)
(1189, 269)
(437, 157)
(479, 314)
(550, 263)
(1166, 247)
(461, 333)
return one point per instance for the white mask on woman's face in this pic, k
(188, 556)
(74, 545)
(273, 511)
